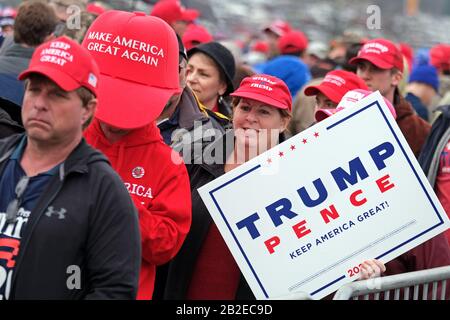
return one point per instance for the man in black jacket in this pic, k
(68, 228)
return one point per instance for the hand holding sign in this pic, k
(349, 191)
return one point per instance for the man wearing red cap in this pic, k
(195, 34)
(289, 66)
(380, 64)
(273, 32)
(139, 74)
(173, 12)
(68, 228)
(333, 87)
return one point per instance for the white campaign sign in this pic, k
(302, 216)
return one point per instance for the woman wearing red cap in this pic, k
(204, 267)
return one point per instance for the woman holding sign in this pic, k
(204, 267)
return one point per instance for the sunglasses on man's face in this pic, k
(13, 207)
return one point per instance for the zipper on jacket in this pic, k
(41, 206)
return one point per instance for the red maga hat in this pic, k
(194, 35)
(279, 27)
(292, 41)
(172, 10)
(382, 53)
(138, 68)
(335, 84)
(267, 89)
(66, 63)
(440, 56)
(349, 100)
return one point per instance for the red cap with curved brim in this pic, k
(194, 35)
(292, 41)
(190, 15)
(172, 10)
(335, 84)
(348, 100)
(267, 89)
(138, 69)
(382, 53)
(66, 63)
(279, 27)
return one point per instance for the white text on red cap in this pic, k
(335, 80)
(142, 51)
(264, 79)
(375, 47)
(57, 53)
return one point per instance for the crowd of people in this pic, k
(104, 128)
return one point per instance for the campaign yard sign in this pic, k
(302, 216)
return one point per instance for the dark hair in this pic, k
(294, 53)
(34, 22)
(352, 51)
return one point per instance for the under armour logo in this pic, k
(60, 213)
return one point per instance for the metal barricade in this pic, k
(405, 286)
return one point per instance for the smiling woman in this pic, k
(262, 111)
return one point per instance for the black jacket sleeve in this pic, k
(113, 253)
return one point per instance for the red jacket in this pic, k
(157, 180)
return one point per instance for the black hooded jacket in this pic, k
(99, 235)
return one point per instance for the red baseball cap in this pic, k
(190, 14)
(260, 46)
(336, 84)
(348, 100)
(138, 68)
(95, 8)
(172, 10)
(66, 63)
(382, 53)
(195, 34)
(440, 56)
(279, 27)
(292, 41)
(267, 89)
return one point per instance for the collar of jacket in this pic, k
(18, 50)
(77, 161)
(190, 110)
(402, 107)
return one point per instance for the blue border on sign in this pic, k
(329, 128)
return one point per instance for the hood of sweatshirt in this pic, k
(132, 141)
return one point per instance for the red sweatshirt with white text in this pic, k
(157, 180)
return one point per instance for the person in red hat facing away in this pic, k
(177, 16)
(68, 228)
(139, 74)
(380, 64)
(204, 268)
(333, 87)
(273, 32)
(195, 35)
(289, 66)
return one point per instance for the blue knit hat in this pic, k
(425, 74)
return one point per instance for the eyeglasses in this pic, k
(14, 205)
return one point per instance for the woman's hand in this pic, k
(371, 269)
